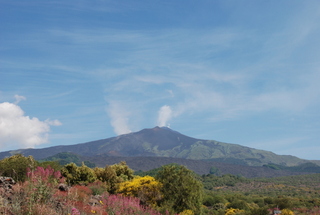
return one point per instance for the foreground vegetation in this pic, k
(171, 189)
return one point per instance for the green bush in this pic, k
(78, 175)
(16, 166)
(238, 204)
(181, 190)
(113, 175)
(210, 200)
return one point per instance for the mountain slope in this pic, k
(198, 166)
(164, 142)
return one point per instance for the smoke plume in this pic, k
(119, 118)
(164, 115)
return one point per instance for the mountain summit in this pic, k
(165, 142)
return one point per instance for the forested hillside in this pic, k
(198, 166)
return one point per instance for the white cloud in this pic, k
(171, 93)
(18, 130)
(164, 115)
(119, 117)
(53, 122)
(19, 98)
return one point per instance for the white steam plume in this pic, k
(20, 131)
(119, 118)
(164, 115)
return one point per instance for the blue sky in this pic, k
(244, 72)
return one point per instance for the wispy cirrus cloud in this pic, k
(187, 62)
(19, 98)
(205, 68)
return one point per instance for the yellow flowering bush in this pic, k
(287, 212)
(146, 188)
(187, 212)
(233, 211)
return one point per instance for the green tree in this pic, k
(283, 203)
(214, 171)
(181, 190)
(78, 175)
(71, 173)
(238, 204)
(16, 166)
(259, 211)
(53, 164)
(123, 171)
(210, 200)
(87, 174)
(114, 174)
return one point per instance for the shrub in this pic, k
(287, 212)
(41, 183)
(187, 212)
(259, 211)
(117, 204)
(78, 175)
(34, 196)
(80, 193)
(16, 166)
(113, 175)
(181, 190)
(98, 187)
(146, 188)
(210, 200)
(234, 211)
(238, 204)
(283, 203)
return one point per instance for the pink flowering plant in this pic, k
(41, 183)
(74, 211)
(118, 204)
(45, 174)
